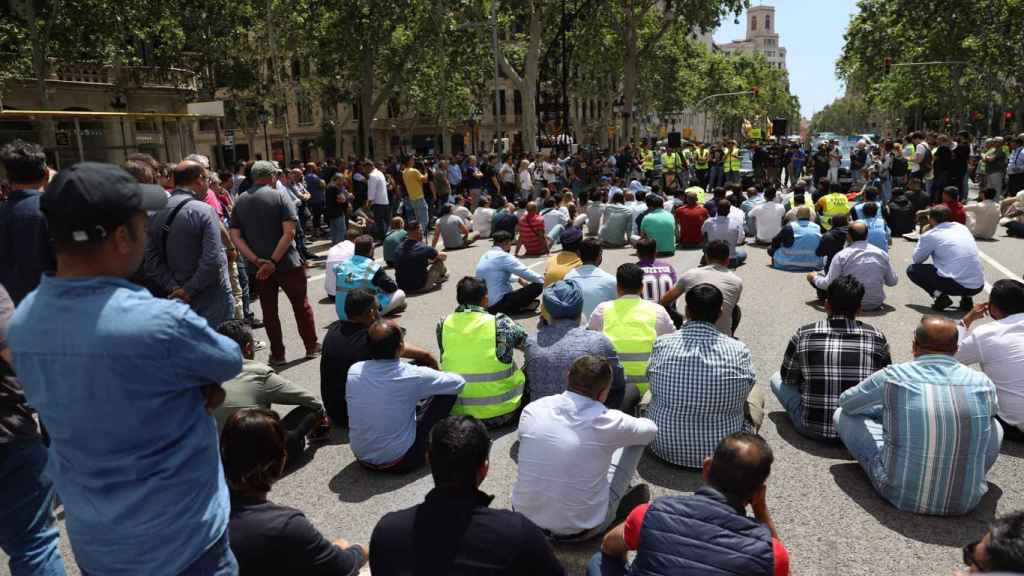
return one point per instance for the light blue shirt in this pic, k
(454, 175)
(115, 375)
(496, 267)
(382, 397)
(596, 285)
(937, 417)
(952, 249)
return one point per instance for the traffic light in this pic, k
(888, 65)
(754, 91)
(1009, 116)
(948, 120)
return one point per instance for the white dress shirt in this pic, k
(725, 228)
(954, 253)
(867, 263)
(566, 443)
(768, 220)
(377, 188)
(998, 347)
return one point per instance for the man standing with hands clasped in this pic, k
(262, 228)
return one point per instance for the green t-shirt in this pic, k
(391, 242)
(661, 227)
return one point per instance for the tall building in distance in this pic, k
(761, 37)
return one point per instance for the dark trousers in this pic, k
(381, 220)
(318, 216)
(1011, 432)
(293, 282)
(927, 277)
(429, 412)
(1014, 184)
(297, 425)
(516, 300)
(245, 284)
(1015, 228)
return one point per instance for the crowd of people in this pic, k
(125, 301)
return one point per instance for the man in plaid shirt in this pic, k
(826, 358)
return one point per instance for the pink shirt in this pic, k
(211, 199)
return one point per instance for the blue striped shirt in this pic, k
(937, 416)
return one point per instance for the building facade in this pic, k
(761, 37)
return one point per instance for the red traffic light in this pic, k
(888, 64)
(948, 120)
(1009, 115)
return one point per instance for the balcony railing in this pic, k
(135, 76)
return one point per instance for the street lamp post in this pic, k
(263, 118)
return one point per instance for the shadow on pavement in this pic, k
(336, 437)
(953, 313)
(1011, 448)
(575, 556)
(953, 531)
(357, 484)
(659, 473)
(820, 448)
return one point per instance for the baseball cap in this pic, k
(85, 201)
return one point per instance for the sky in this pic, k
(812, 33)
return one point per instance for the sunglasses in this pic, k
(969, 559)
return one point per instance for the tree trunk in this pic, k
(629, 69)
(366, 111)
(40, 69)
(528, 88)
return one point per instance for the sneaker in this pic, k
(941, 303)
(313, 352)
(966, 303)
(258, 345)
(273, 362)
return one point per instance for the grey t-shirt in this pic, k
(259, 216)
(722, 278)
(451, 231)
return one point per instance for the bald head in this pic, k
(935, 335)
(385, 340)
(858, 231)
(803, 213)
(187, 172)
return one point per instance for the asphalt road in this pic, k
(826, 511)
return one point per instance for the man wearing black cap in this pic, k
(263, 226)
(124, 383)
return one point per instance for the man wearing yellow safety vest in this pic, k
(478, 346)
(632, 324)
(671, 168)
(647, 161)
(833, 203)
(700, 164)
(731, 162)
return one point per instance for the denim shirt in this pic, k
(115, 375)
(496, 267)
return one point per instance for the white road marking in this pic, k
(995, 264)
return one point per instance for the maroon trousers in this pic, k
(293, 282)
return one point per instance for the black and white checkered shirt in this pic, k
(700, 380)
(826, 358)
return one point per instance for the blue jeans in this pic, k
(338, 229)
(603, 565)
(243, 284)
(28, 532)
(738, 258)
(218, 560)
(864, 437)
(791, 400)
(422, 211)
(887, 189)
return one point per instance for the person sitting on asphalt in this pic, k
(690, 219)
(560, 339)
(361, 271)
(659, 225)
(720, 537)
(767, 218)
(392, 404)
(983, 216)
(717, 273)
(831, 204)
(703, 385)
(870, 196)
(482, 218)
(826, 358)
(722, 227)
(1001, 549)
(396, 235)
(863, 261)
(259, 386)
(950, 200)
(532, 238)
(902, 215)
(556, 219)
(345, 344)
(568, 259)
(632, 324)
(795, 247)
(595, 284)
(833, 240)
(496, 267)
(453, 230)
(418, 267)
(268, 538)
(659, 275)
(479, 346)
(505, 220)
(924, 431)
(879, 234)
(998, 348)
(799, 200)
(577, 457)
(618, 221)
(338, 253)
(454, 531)
(955, 269)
